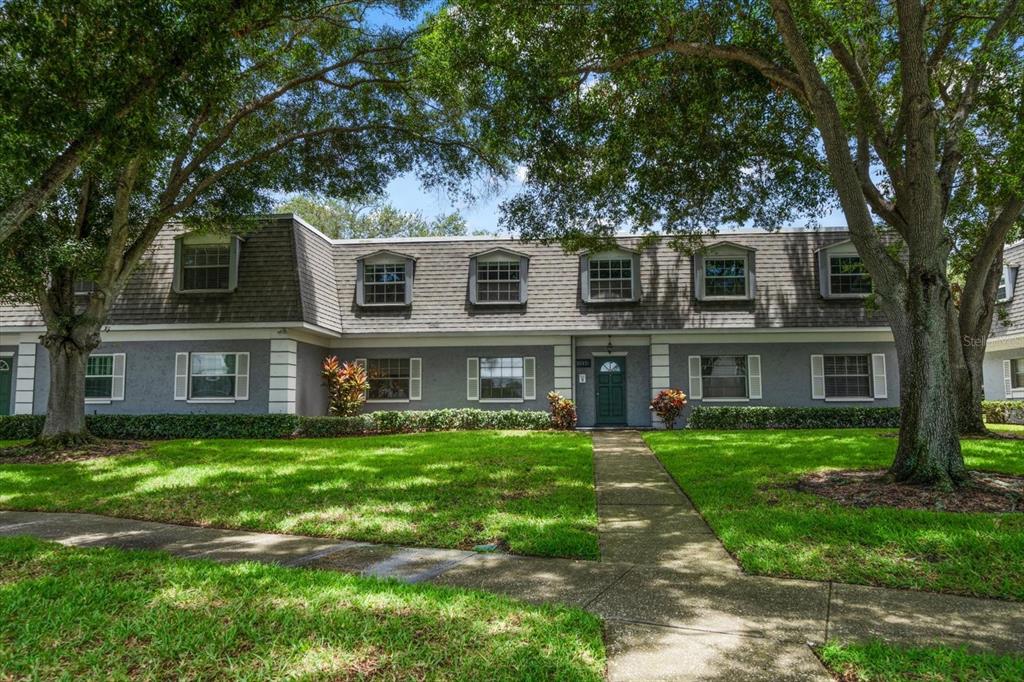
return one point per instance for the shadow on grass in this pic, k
(532, 493)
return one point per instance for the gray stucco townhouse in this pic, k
(229, 324)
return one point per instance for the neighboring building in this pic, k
(228, 324)
(1004, 354)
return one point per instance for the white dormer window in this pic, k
(206, 263)
(841, 272)
(1006, 284)
(384, 279)
(848, 276)
(724, 272)
(611, 276)
(498, 277)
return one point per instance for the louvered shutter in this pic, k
(117, 381)
(241, 376)
(415, 378)
(818, 377)
(181, 376)
(696, 387)
(754, 377)
(529, 378)
(472, 378)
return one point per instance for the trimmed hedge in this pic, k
(171, 426)
(793, 417)
(1003, 411)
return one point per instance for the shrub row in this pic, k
(1003, 411)
(168, 426)
(793, 417)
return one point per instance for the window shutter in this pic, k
(241, 376)
(361, 362)
(878, 371)
(176, 281)
(824, 272)
(360, 296)
(181, 376)
(472, 378)
(415, 378)
(529, 378)
(751, 276)
(1011, 281)
(636, 277)
(410, 271)
(233, 252)
(754, 377)
(117, 382)
(585, 277)
(698, 277)
(524, 273)
(696, 387)
(1007, 379)
(818, 377)
(473, 298)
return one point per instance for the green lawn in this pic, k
(533, 493)
(740, 481)
(106, 614)
(881, 662)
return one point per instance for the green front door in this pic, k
(611, 390)
(6, 374)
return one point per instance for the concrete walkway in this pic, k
(675, 604)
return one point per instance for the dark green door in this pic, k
(6, 374)
(611, 390)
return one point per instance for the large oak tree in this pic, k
(322, 99)
(681, 116)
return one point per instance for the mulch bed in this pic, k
(986, 491)
(36, 454)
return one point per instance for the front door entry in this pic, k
(610, 390)
(6, 374)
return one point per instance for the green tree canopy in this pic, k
(371, 218)
(680, 118)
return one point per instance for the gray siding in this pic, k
(1009, 317)
(638, 383)
(444, 375)
(992, 368)
(310, 393)
(785, 371)
(149, 378)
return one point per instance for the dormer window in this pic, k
(384, 279)
(1006, 284)
(724, 272)
(611, 276)
(842, 273)
(206, 263)
(498, 277)
(848, 276)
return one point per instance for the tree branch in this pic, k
(973, 298)
(773, 72)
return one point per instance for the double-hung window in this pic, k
(724, 376)
(1017, 373)
(611, 279)
(104, 377)
(848, 276)
(214, 377)
(847, 376)
(383, 283)
(725, 277)
(497, 281)
(388, 378)
(501, 378)
(205, 267)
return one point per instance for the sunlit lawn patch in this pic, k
(531, 493)
(106, 614)
(742, 483)
(881, 662)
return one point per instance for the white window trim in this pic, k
(832, 294)
(393, 304)
(726, 400)
(474, 380)
(498, 257)
(745, 257)
(746, 377)
(205, 240)
(615, 256)
(113, 378)
(414, 376)
(839, 399)
(850, 400)
(218, 400)
(502, 400)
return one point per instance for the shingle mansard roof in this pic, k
(289, 272)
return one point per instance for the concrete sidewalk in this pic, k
(675, 604)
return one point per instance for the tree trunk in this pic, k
(929, 447)
(65, 405)
(968, 391)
